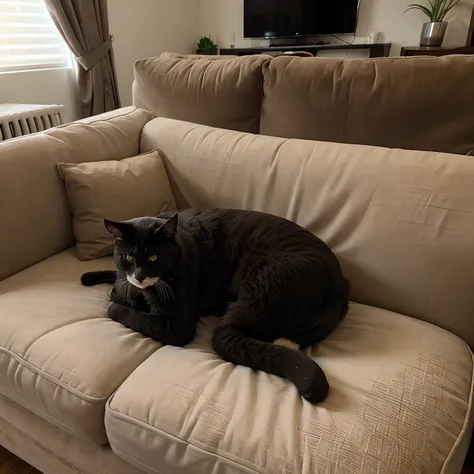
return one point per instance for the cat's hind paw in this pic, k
(315, 388)
(308, 377)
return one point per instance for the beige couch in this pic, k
(82, 394)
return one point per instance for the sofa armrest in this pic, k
(33, 202)
(109, 115)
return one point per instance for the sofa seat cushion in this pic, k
(60, 356)
(401, 393)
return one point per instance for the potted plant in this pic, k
(206, 46)
(433, 32)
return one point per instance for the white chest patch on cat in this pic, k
(144, 284)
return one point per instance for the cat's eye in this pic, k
(128, 258)
(153, 258)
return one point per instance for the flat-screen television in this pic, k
(290, 18)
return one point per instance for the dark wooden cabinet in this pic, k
(434, 50)
(376, 50)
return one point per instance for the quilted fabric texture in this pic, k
(399, 399)
(60, 356)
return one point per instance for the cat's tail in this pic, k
(97, 278)
(234, 346)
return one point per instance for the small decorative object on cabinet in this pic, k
(206, 46)
(434, 31)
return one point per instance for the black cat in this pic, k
(267, 277)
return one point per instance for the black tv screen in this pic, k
(287, 18)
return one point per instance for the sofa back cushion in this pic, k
(35, 219)
(225, 93)
(412, 103)
(401, 222)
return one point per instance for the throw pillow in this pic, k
(116, 190)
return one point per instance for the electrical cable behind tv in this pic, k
(350, 43)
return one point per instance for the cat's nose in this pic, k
(140, 275)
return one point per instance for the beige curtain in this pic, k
(84, 25)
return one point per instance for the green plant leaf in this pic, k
(423, 8)
(437, 9)
(449, 5)
(205, 42)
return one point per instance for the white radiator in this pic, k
(22, 119)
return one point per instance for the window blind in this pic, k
(28, 37)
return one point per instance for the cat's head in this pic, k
(145, 248)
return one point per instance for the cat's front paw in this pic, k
(152, 300)
(116, 311)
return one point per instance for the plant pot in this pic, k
(433, 34)
(207, 52)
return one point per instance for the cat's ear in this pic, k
(169, 227)
(118, 229)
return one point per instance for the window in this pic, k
(28, 37)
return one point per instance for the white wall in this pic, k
(145, 28)
(222, 18)
(141, 28)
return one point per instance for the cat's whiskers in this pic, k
(168, 290)
(164, 290)
(163, 293)
(123, 286)
(158, 289)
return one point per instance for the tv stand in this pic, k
(376, 50)
(285, 45)
(299, 41)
